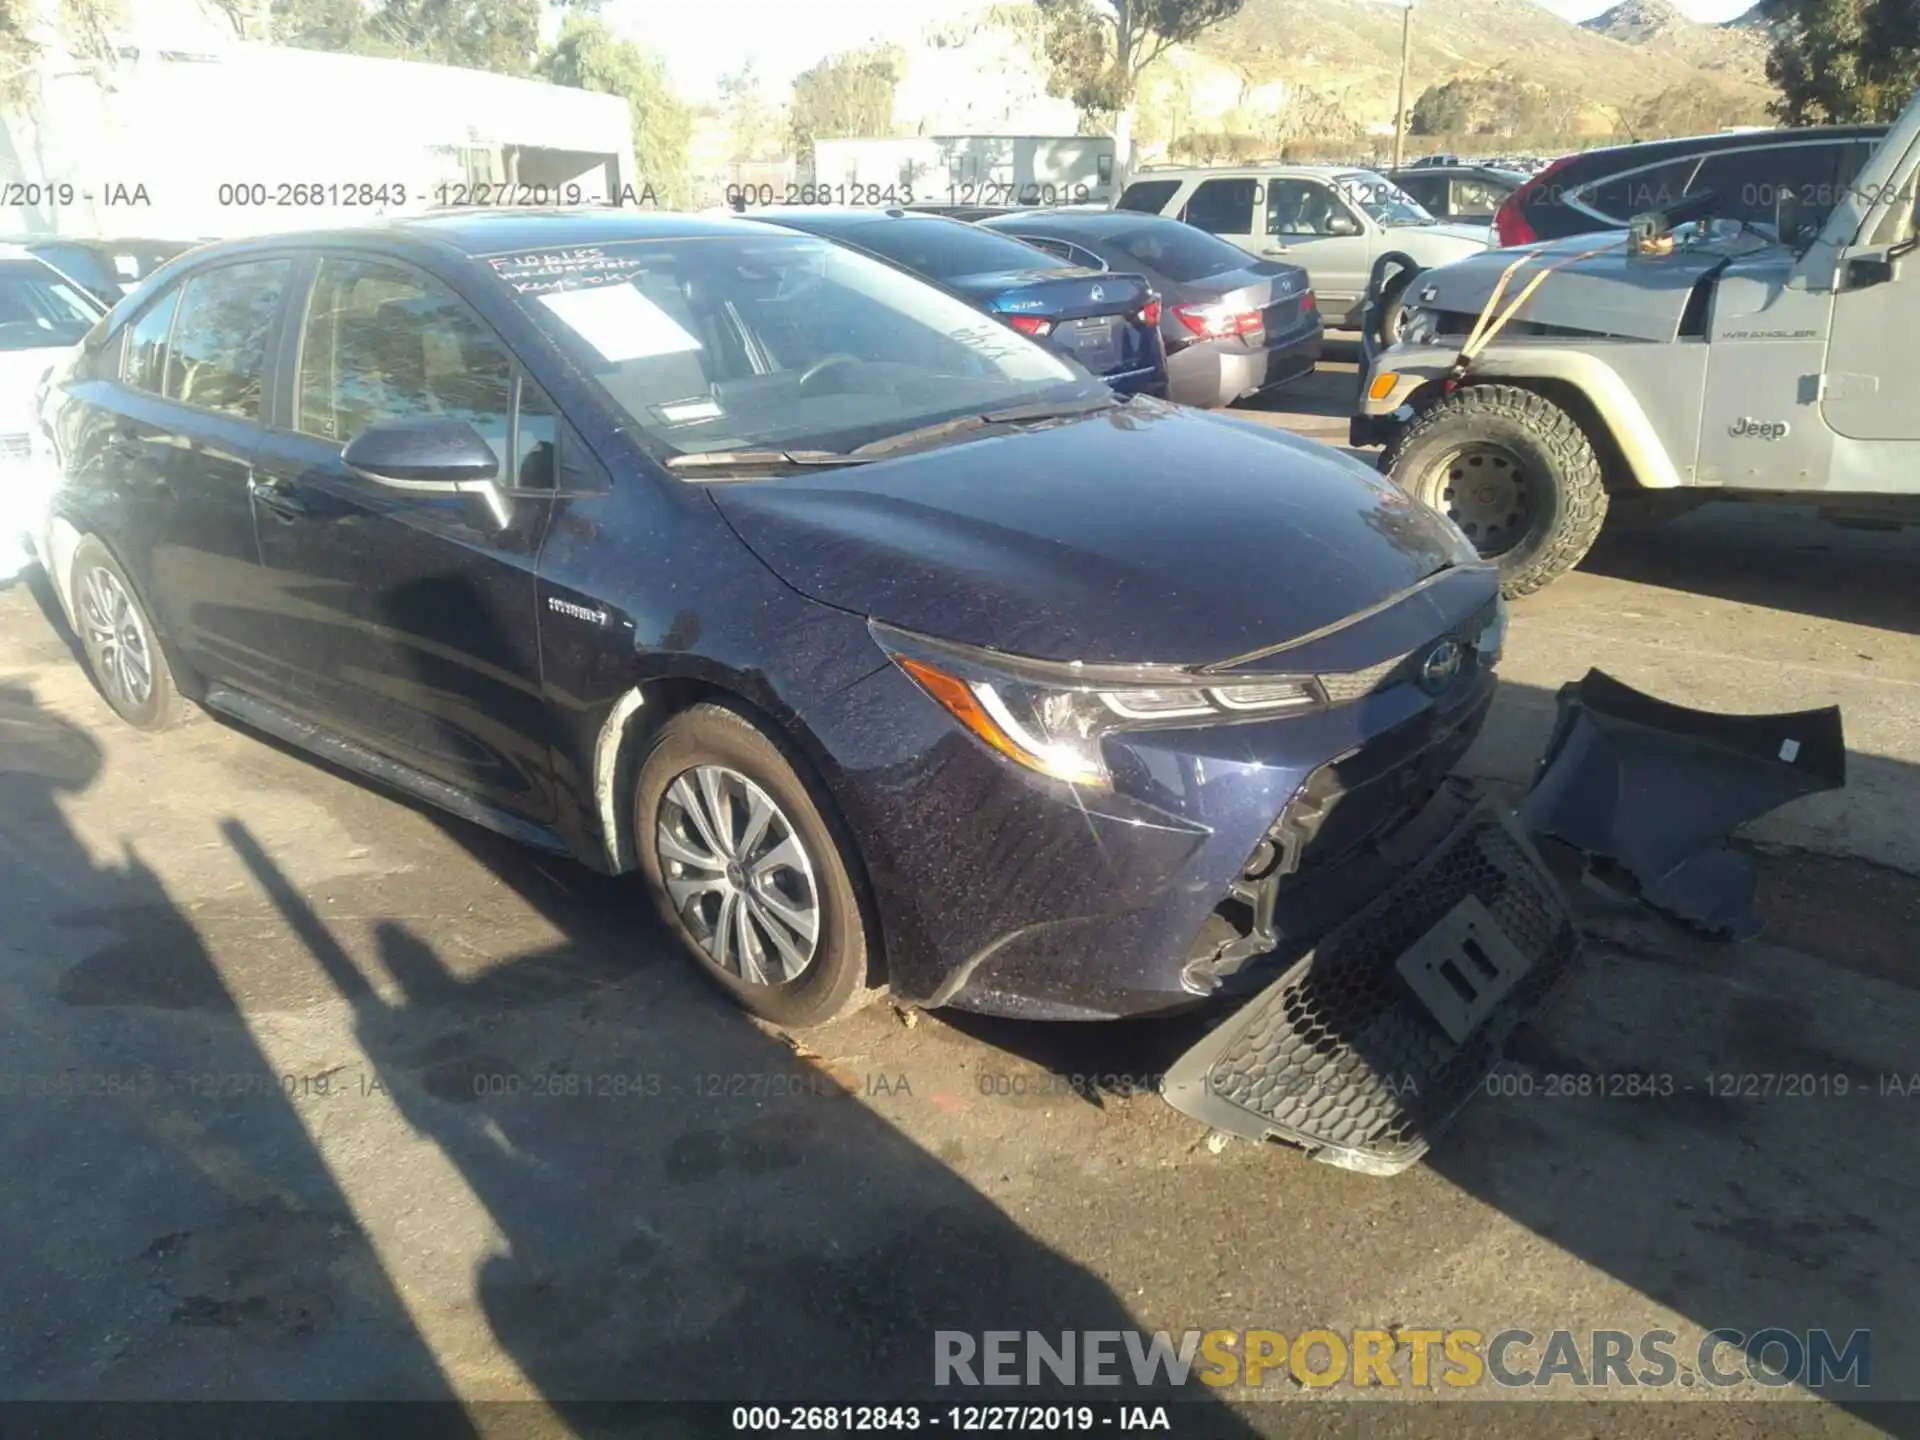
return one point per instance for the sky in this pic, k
(702, 40)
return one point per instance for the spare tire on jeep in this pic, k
(1514, 471)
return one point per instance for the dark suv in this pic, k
(1748, 171)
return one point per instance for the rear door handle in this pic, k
(285, 503)
(1277, 250)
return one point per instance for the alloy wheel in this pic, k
(116, 637)
(1484, 490)
(739, 875)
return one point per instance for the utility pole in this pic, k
(1400, 108)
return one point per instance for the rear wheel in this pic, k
(123, 650)
(1514, 471)
(749, 870)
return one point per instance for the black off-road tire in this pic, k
(1561, 473)
(160, 706)
(843, 973)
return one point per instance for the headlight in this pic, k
(1051, 717)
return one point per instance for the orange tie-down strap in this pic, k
(1487, 326)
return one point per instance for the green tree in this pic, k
(1098, 48)
(498, 35)
(750, 115)
(849, 94)
(1842, 61)
(320, 25)
(589, 56)
(28, 27)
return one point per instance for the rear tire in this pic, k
(1514, 471)
(751, 869)
(122, 647)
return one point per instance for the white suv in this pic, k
(1332, 219)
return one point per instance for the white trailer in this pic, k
(985, 170)
(240, 138)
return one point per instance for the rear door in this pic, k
(414, 615)
(174, 436)
(1302, 216)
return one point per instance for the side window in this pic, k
(1224, 207)
(1149, 197)
(1085, 258)
(536, 436)
(1301, 207)
(383, 343)
(217, 355)
(1750, 182)
(1621, 197)
(1429, 190)
(1473, 199)
(145, 363)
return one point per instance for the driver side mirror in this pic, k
(430, 455)
(1341, 223)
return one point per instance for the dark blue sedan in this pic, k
(890, 648)
(1110, 323)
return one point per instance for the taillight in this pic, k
(1151, 314)
(1030, 325)
(1216, 322)
(1510, 223)
(1307, 302)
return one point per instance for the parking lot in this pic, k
(290, 1113)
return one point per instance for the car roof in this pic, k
(1469, 170)
(1093, 224)
(842, 219)
(1229, 172)
(1650, 152)
(498, 232)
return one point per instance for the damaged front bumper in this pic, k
(1371, 1044)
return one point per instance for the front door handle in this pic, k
(285, 503)
(1277, 250)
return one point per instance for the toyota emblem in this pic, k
(1440, 666)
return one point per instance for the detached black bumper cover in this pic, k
(1657, 789)
(1370, 1045)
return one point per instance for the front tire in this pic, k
(750, 872)
(122, 647)
(1514, 471)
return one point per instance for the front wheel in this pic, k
(1514, 471)
(749, 871)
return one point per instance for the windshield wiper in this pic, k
(745, 459)
(1011, 415)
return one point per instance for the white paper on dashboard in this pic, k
(620, 322)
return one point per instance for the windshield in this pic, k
(1385, 201)
(777, 342)
(39, 310)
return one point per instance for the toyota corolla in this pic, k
(891, 648)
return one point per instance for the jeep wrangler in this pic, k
(1687, 359)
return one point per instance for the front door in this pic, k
(1876, 314)
(414, 615)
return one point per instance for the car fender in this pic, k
(1615, 407)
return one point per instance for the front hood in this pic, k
(1142, 534)
(1636, 297)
